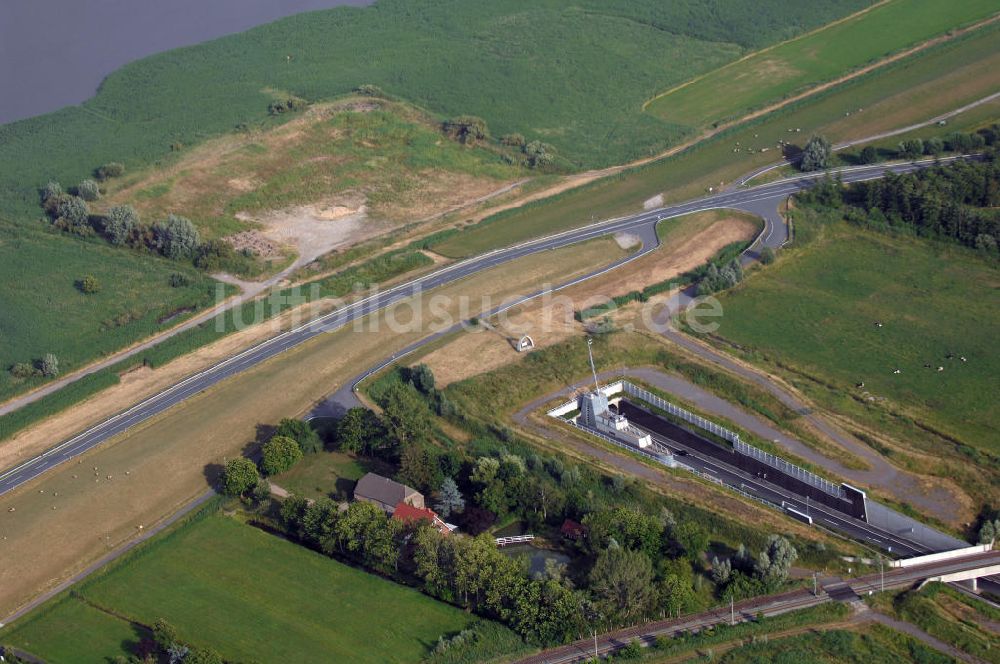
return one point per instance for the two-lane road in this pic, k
(763, 199)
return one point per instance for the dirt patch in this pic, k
(653, 203)
(627, 240)
(253, 242)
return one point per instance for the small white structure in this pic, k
(596, 414)
(525, 343)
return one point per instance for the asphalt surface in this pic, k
(764, 198)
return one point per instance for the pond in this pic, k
(536, 556)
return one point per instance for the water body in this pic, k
(54, 53)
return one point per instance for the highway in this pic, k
(836, 590)
(762, 199)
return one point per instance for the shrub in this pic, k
(88, 285)
(911, 149)
(175, 237)
(178, 280)
(369, 90)
(869, 155)
(49, 365)
(112, 169)
(280, 454)
(121, 221)
(73, 212)
(88, 190)
(538, 153)
(302, 433)
(466, 129)
(287, 106)
(767, 255)
(239, 476)
(215, 255)
(22, 370)
(933, 146)
(515, 140)
(51, 191)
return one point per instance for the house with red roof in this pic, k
(409, 514)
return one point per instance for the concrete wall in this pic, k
(943, 555)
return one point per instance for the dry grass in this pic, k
(164, 463)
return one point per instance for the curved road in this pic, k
(762, 199)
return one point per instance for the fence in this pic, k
(516, 539)
(665, 458)
(743, 448)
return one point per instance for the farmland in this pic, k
(777, 72)
(915, 89)
(247, 594)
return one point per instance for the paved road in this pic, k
(766, 196)
(845, 591)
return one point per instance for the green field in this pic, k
(816, 311)
(43, 311)
(916, 89)
(329, 474)
(249, 595)
(729, 92)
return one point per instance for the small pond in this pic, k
(536, 556)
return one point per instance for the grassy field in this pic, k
(44, 311)
(956, 619)
(817, 309)
(768, 76)
(915, 89)
(328, 474)
(249, 595)
(188, 443)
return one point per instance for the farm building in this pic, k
(386, 493)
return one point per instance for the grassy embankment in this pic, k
(821, 56)
(247, 594)
(146, 114)
(912, 90)
(812, 317)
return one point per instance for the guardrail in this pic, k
(641, 452)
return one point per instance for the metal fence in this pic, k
(659, 458)
(743, 448)
(791, 469)
(677, 411)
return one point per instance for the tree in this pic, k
(776, 560)
(175, 237)
(622, 580)
(358, 431)
(538, 153)
(279, 454)
(911, 148)
(989, 530)
(869, 155)
(767, 255)
(449, 499)
(422, 378)
(691, 539)
(514, 140)
(203, 656)
(164, 634)
(51, 191)
(50, 365)
(721, 571)
(629, 527)
(112, 169)
(73, 212)
(405, 414)
(239, 476)
(88, 190)
(302, 433)
(120, 222)
(418, 467)
(933, 146)
(467, 129)
(816, 154)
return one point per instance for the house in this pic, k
(409, 514)
(385, 493)
(573, 530)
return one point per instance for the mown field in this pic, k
(915, 89)
(817, 309)
(45, 312)
(249, 595)
(727, 93)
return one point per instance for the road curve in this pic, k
(766, 196)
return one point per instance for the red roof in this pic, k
(407, 513)
(572, 529)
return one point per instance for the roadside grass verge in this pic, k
(251, 596)
(774, 73)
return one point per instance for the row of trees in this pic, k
(955, 201)
(164, 645)
(817, 153)
(47, 366)
(472, 130)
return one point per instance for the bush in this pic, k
(175, 237)
(302, 433)
(239, 476)
(816, 154)
(22, 370)
(869, 155)
(289, 105)
(73, 212)
(911, 149)
(538, 153)
(466, 129)
(514, 140)
(51, 191)
(280, 454)
(933, 146)
(121, 222)
(49, 365)
(767, 255)
(88, 190)
(112, 169)
(89, 284)
(178, 280)
(215, 255)
(369, 90)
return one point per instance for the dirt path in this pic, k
(920, 635)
